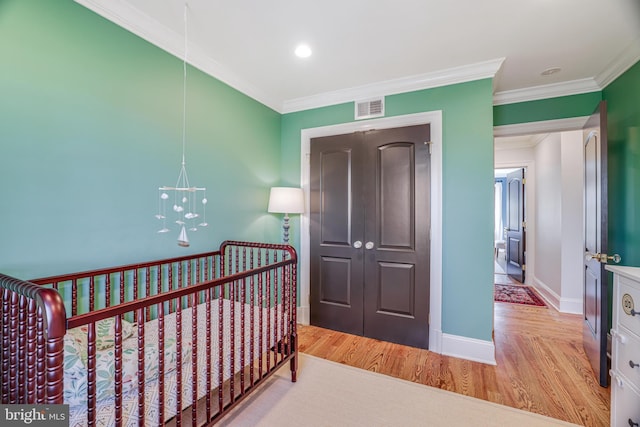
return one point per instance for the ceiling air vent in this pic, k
(369, 108)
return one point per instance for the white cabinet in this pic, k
(625, 353)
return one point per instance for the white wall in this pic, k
(572, 250)
(548, 214)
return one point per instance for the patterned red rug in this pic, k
(517, 294)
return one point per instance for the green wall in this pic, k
(467, 306)
(623, 116)
(91, 125)
(561, 107)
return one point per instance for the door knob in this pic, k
(603, 258)
(357, 244)
(369, 245)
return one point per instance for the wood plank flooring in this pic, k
(541, 366)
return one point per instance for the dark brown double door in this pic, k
(370, 221)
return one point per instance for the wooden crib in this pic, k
(181, 340)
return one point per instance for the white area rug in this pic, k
(331, 394)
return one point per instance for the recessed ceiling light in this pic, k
(550, 71)
(303, 51)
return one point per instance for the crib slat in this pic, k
(147, 290)
(267, 305)
(194, 359)
(252, 321)
(141, 377)
(54, 377)
(107, 286)
(74, 297)
(31, 351)
(135, 285)
(232, 336)
(220, 350)
(207, 297)
(261, 320)
(91, 374)
(121, 289)
(161, 363)
(292, 285)
(92, 294)
(179, 359)
(41, 392)
(118, 366)
(242, 283)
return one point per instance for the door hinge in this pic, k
(524, 267)
(524, 181)
(429, 144)
(524, 224)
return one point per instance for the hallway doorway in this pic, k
(509, 225)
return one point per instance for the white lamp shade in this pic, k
(286, 200)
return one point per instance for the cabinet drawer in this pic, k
(626, 355)
(630, 288)
(625, 409)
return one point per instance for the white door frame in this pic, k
(434, 119)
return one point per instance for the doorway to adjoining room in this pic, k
(507, 219)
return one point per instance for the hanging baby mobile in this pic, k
(183, 196)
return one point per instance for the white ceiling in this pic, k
(365, 48)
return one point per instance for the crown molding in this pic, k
(541, 127)
(467, 73)
(629, 56)
(131, 19)
(554, 90)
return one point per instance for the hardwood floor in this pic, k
(541, 366)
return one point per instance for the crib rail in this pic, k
(32, 326)
(234, 308)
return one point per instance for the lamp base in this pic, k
(285, 227)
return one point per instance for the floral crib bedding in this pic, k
(75, 390)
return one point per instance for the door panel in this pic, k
(396, 295)
(335, 281)
(371, 188)
(397, 289)
(336, 216)
(396, 193)
(596, 305)
(515, 232)
(336, 190)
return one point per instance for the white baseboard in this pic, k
(571, 305)
(435, 340)
(548, 294)
(563, 305)
(469, 349)
(304, 316)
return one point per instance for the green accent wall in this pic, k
(467, 253)
(91, 126)
(561, 107)
(623, 117)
